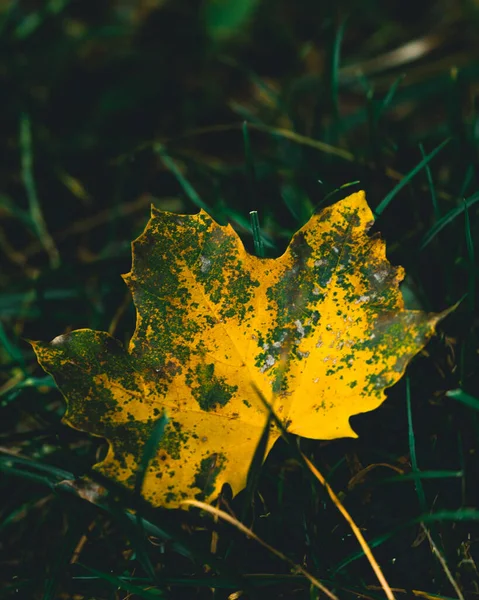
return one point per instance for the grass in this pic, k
(275, 112)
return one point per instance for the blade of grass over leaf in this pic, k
(465, 398)
(257, 237)
(407, 178)
(242, 221)
(229, 519)
(149, 451)
(35, 210)
(447, 219)
(254, 473)
(255, 469)
(172, 166)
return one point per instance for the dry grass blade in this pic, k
(441, 559)
(355, 529)
(226, 517)
(411, 51)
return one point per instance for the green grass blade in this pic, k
(259, 580)
(189, 190)
(388, 98)
(138, 532)
(30, 465)
(447, 219)
(424, 475)
(122, 584)
(251, 177)
(463, 514)
(335, 191)
(149, 451)
(471, 295)
(8, 205)
(257, 237)
(466, 399)
(15, 354)
(35, 210)
(407, 178)
(243, 222)
(432, 189)
(33, 382)
(412, 449)
(255, 468)
(122, 498)
(334, 73)
(33, 477)
(76, 528)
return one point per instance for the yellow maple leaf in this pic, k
(320, 331)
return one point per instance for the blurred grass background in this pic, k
(109, 106)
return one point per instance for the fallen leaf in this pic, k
(321, 331)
